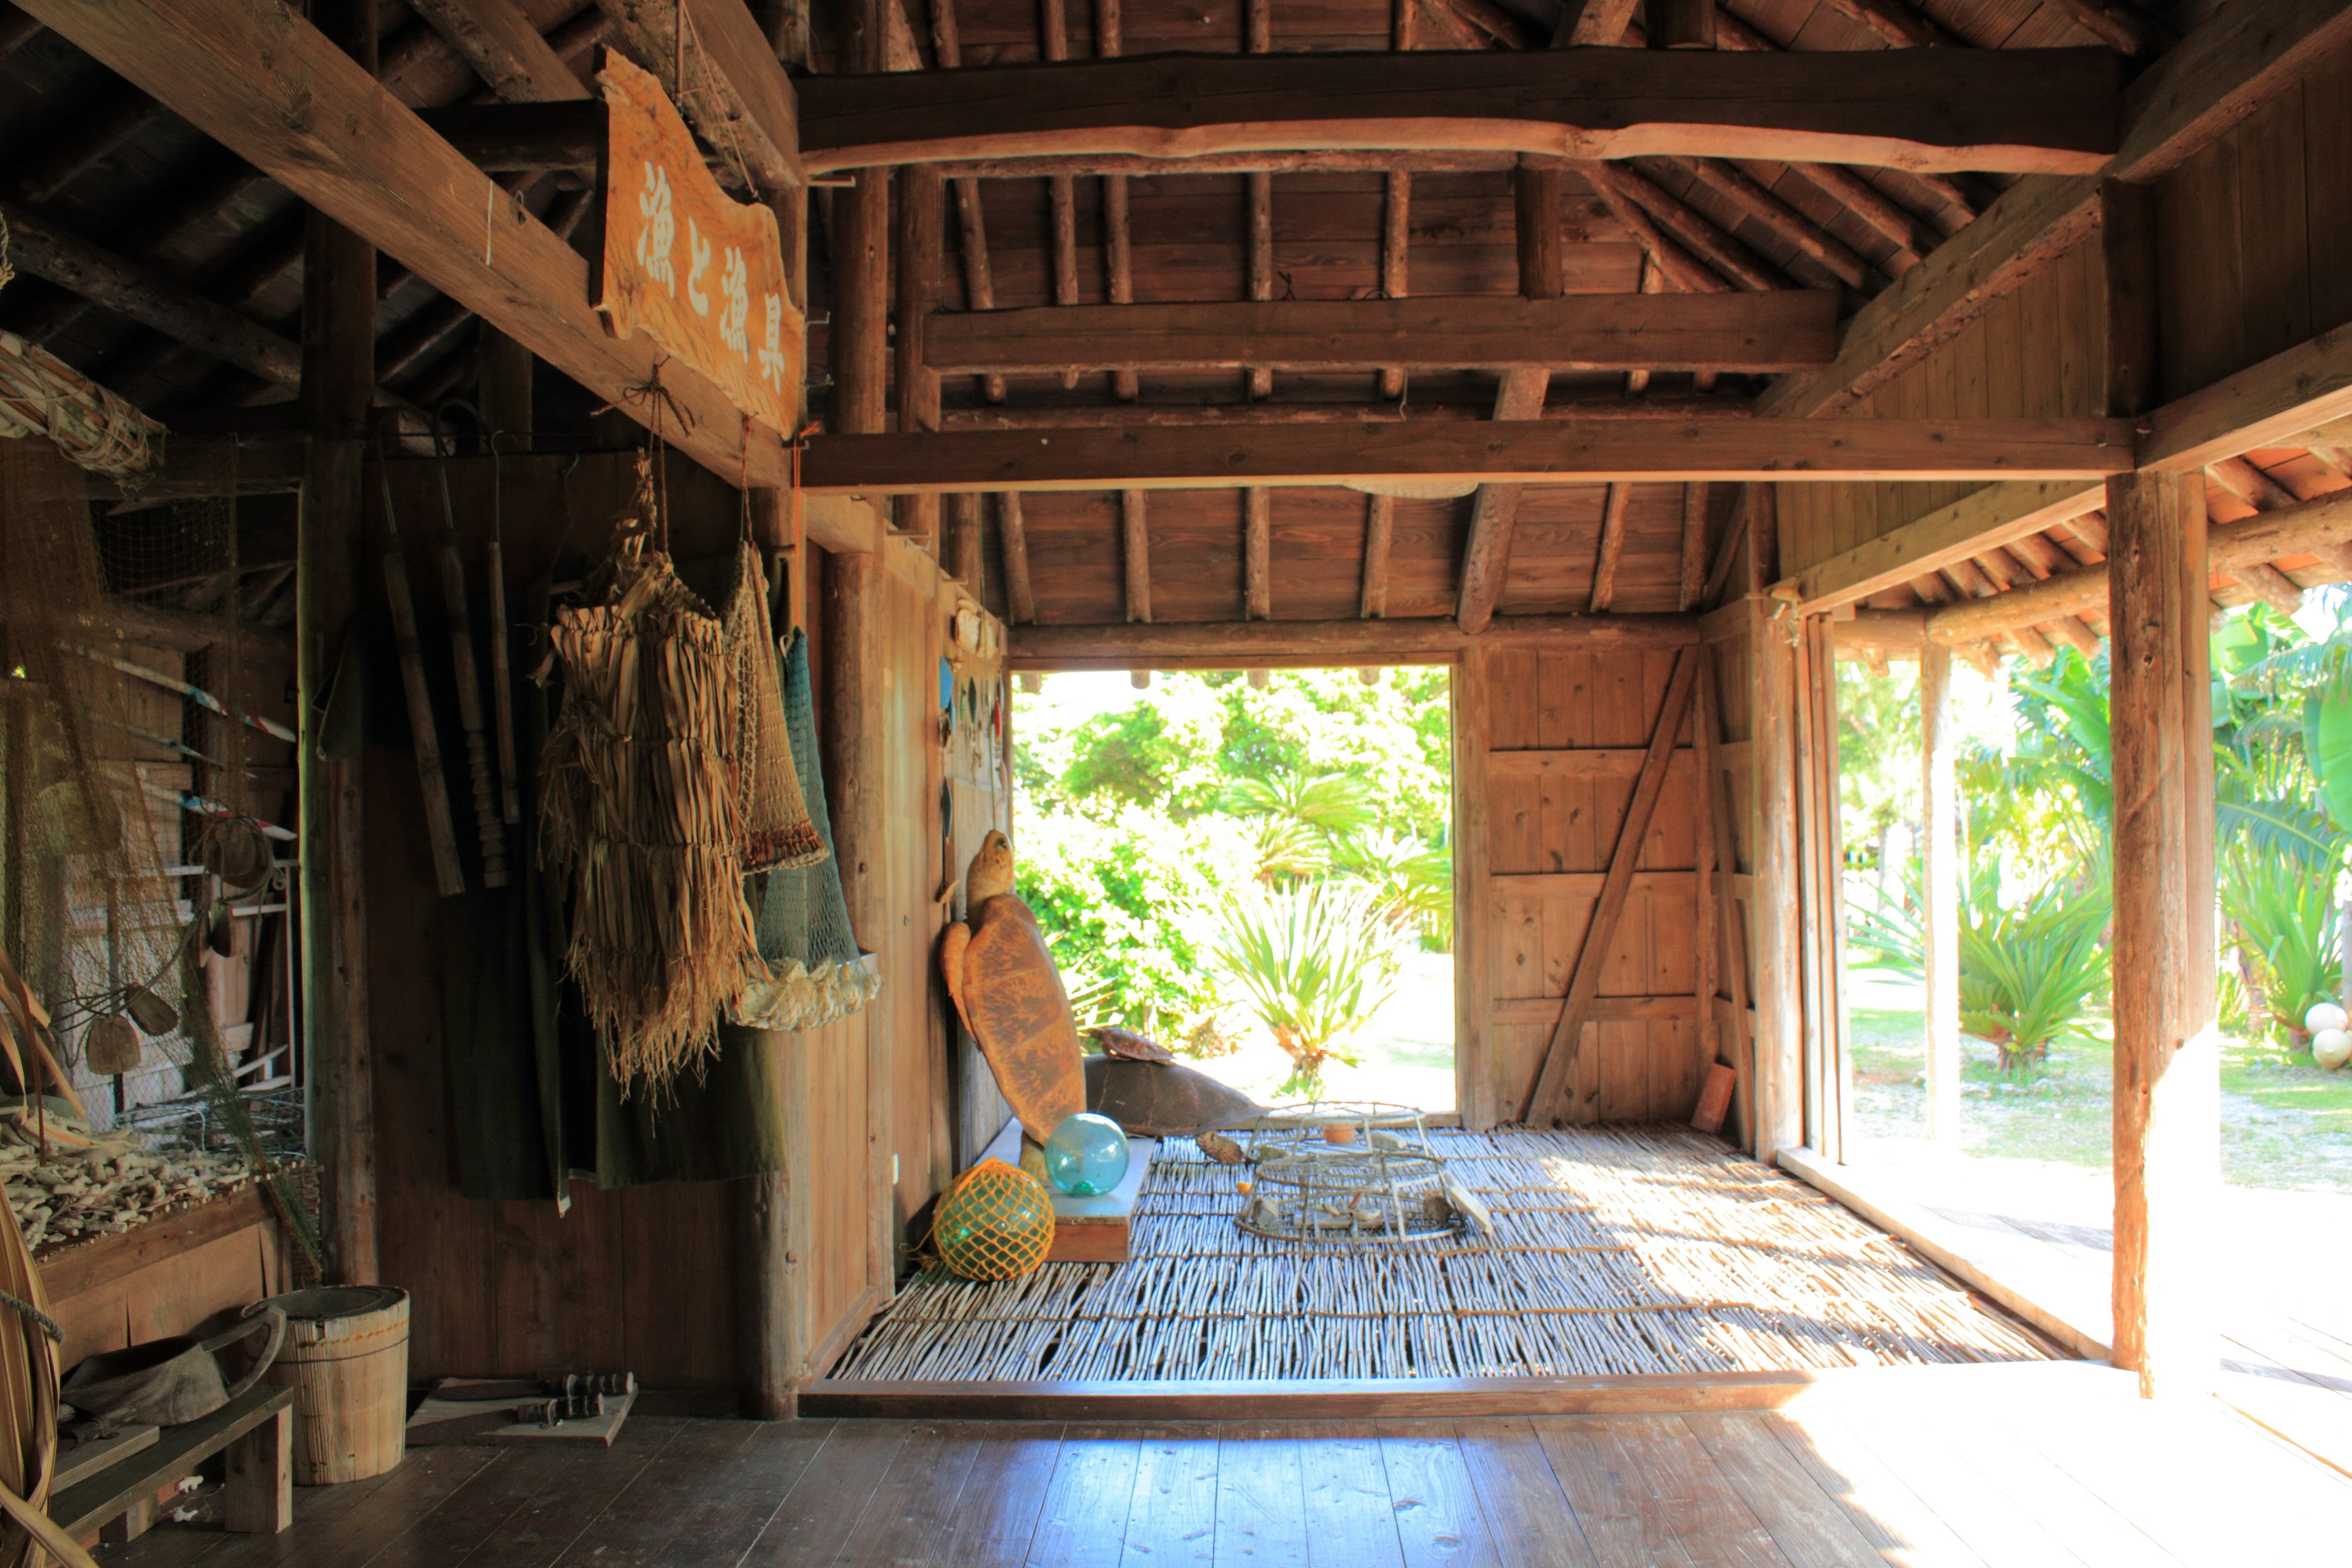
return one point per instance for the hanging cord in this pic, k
(26, 1310)
(653, 397)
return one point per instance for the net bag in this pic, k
(776, 827)
(812, 971)
(642, 814)
(994, 1223)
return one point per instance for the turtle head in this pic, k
(990, 871)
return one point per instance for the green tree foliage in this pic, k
(1139, 828)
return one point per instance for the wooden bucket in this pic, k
(346, 1358)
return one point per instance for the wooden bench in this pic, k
(256, 1429)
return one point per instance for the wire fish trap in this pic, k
(1359, 1124)
(1350, 1196)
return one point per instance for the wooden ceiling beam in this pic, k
(504, 47)
(45, 250)
(1541, 452)
(735, 93)
(1235, 645)
(2244, 55)
(2021, 110)
(1251, 416)
(1330, 161)
(2266, 404)
(1754, 333)
(271, 87)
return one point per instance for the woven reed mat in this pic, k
(1618, 1249)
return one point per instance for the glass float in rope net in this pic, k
(994, 1223)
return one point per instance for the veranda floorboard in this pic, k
(725, 1512)
(1172, 1516)
(575, 1486)
(1439, 1521)
(1892, 1518)
(1649, 1495)
(1532, 1523)
(1950, 1483)
(1003, 1495)
(1261, 1497)
(1350, 1523)
(817, 1515)
(912, 1511)
(334, 1527)
(1083, 1523)
(1806, 1524)
(639, 1526)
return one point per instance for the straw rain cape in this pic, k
(643, 813)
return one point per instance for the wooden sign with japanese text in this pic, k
(699, 273)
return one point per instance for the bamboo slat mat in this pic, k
(1618, 1249)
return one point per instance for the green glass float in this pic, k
(994, 1223)
(1087, 1155)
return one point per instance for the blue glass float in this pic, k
(1087, 1155)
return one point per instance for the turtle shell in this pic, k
(1164, 1100)
(1015, 1007)
(1118, 1042)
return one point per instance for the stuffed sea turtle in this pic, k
(1164, 1100)
(1010, 994)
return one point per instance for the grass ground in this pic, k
(1404, 1055)
(2285, 1122)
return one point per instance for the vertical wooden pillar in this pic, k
(2167, 1112)
(1939, 923)
(855, 692)
(1473, 1003)
(922, 217)
(1776, 952)
(338, 385)
(503, 369)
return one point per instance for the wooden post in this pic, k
(338, 385)
(1775, 949)
(853, 709)
(1939, 915)
(922, 217)
(1134, 551)
(1258, 554)
(2167, 1114)
(1682, 25)
(503, 368)
(1474, 1089)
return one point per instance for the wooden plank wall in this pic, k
(1562, 740)
(646, 1277)
(172, 1276)
(2254, 235)
(2036, 353)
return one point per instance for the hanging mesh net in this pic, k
(815, 972)
(142, 905)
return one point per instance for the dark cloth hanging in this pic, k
(531, 1105)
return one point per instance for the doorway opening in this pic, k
(1256, 869)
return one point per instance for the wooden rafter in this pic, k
(735, 93)
(505, 48)
(971, 222)
(2242, 56)
(313, 119)
(2018, 109)
(1632, 449)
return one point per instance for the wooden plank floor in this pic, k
(2032, 1464)
(2281, 1299)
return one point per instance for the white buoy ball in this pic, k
(2324, 1016)
(2331, 1048)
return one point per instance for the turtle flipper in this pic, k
(953, 942)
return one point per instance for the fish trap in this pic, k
(1339, 1124)
(1331, 1196)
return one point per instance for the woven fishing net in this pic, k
(776, 827)
(641, 811)
(994, 1223)
(813, 972)
(126, 842)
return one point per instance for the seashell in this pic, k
(1220, 1148)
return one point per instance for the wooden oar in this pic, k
(440, 826)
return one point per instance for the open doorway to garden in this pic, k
(1256, 869)
(2013, 1170)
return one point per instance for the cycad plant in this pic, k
(1316, 962)
(2281, 918)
